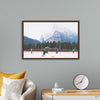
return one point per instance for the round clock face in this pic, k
(81, 81)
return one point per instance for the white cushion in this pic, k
(12, 89)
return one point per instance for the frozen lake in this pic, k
(51, 55)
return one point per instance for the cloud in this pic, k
(35, 30)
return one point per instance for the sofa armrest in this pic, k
(29, 91)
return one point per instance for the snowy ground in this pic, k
(51, 55)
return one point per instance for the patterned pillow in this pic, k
(10, 75)
(12, 88)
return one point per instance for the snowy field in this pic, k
(51, 55)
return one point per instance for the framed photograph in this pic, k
(50, 39)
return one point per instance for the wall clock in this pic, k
(81, 81)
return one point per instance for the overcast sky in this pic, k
(35, 30)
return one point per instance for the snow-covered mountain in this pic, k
(60, 36)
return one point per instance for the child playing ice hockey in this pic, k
(57, 51)
(45, 50)
(73, 50)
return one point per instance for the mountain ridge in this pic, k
(61, 36)
(28, 40)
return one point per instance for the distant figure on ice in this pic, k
(57, 51)
(31, 50)
(46, 49)
(73, 50)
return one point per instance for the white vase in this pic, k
(56, 85)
